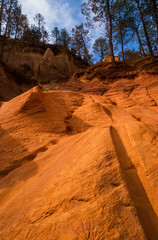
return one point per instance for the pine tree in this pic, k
(64, 38)
(150, 9)
(119, 24)
(2, 7)
(55, 33)
(7, 18)
(154, 5)
(39, 19)
(20, 25)
(101, 47)
(80, 39)
(21, 22)
(45, 35)
(131, 54)
(140, 9)
(32, 34)
(102, 13)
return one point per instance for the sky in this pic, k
(57, 13)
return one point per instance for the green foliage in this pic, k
(42, 33)
(61, 37)
(100, 11)
(55, 33)
(119, 24)
(101, 47)
(12, 22)
(32, 34)
(64, 38)
(79, 42)
(21, 23)
(39, 19)
(131, 54)
(123, 21)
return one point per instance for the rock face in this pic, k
(81, 163)
(54, 70)
(48, 69)
(9, 88)
(107, 58)
(40, 63)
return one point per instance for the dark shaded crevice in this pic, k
(20, 162)
(112, 102)
(74, 125)
(137, 118)
(107, 111)
(68, 129)
(103, 91)
(145, 211)
(73, 199)
(92, 99)
(130, 91)
(152, 99)
(31, 156)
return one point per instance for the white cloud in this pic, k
(56, 13)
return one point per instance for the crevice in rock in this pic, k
(103, 91)
(130, 91)
(137, 118)
(112, 102)
(92, 99)
(152, 99)
(145, 211)
(20, 162)
(79, 199)
(68, 129)
(107, 111)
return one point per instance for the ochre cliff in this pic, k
(39, 64)
(81, 162)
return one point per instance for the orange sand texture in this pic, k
(81, 162)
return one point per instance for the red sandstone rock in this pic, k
(81, 165)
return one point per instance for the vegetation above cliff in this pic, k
(128, 69)
(125, 24)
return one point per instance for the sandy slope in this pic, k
(81, 165)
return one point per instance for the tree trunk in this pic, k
(110, 32)
(86, 51)
(145, 30)
(101, 51)
(140, 42)
(13, 41)
(1, 16)
(56, 37)
(7, 24)
(155, 13)
(123, 56)
(9, 17)
(89, 59)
